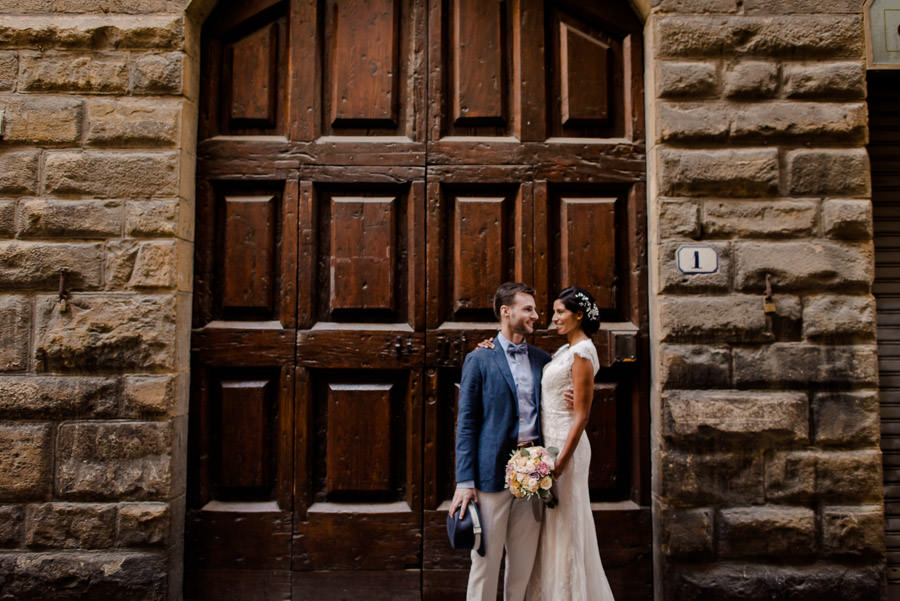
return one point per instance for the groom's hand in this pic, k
(569, 395)
(461, 498)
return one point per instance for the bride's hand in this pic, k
(486, 343)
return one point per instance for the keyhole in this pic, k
(696, 259)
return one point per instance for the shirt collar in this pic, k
(504, 342)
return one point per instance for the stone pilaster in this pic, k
(766, 436)
(96, 179)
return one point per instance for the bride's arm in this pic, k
(583, 384)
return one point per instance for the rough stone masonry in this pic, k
(767, 468)
(767, 471)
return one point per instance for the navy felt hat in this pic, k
(466, 533)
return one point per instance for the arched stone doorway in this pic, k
(368, 172)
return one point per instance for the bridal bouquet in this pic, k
(529, 473)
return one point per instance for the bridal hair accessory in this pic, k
(529, 473)
(466, 532)
(588, 307)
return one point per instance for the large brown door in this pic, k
(368, 172)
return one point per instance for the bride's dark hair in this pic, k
(579, 300)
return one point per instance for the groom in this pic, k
(499, 411)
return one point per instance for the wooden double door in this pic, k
(368, 173)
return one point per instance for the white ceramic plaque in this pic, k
(697, 259)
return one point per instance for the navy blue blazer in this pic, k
(487, 421)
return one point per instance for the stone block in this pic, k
(767, 531)
(60, 72)
(700, 366)
(114, 461)
(778, 7)
(694, 6)
(849, 476)
(754, 219)
(672, 279)
(48, 218)
(686, 121)
(752, 122)
(12, 526)
(847, 219)
(686, 532)
(679, 218)
(158, 74)
(9, 70)
(762, 582)
(47, 120)
(120, 257)
(856, 531)
(58, 397)
(807, 121)
(143, 524)
(710, 478)
(15, 332)
(154, 218)
(7, 217)
(732, 318)
(803, 265)
(103, 7)
(70, 575)
(790, 476)
(112, 174)
(794, 36)
(799, 365)
(18, 172)
(71, 525)
(836, 476)
(834, 317)
(686, 79)
(155, 265)
(829, 172)
(150, 395)
(742, 172)
(824, 80)
(92, 32)
(751, 79)
(750, 418)
(786, 323)
(37, 264)
(25, 452)
(132, 122)
(108, 332)
(846, 418)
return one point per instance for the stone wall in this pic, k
(96, 179)
(767, 469)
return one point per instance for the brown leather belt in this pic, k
(530, 443)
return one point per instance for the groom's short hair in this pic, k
(507, 292)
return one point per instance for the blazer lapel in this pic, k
(503, 366)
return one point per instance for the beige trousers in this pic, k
(507, 522)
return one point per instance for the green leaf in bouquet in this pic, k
(553, 451)
(524, 452)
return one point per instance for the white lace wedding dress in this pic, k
(568, 566)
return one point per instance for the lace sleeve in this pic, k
(587, 350)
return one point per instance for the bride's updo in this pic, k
(579, 300)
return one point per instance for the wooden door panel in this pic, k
(246, 247)
(357, 62)
(479, 236)
(246, 70)
(587, 246)
(587, 62)
(358, 250)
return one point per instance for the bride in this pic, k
(568, 566)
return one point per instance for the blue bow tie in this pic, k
(517, 349)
